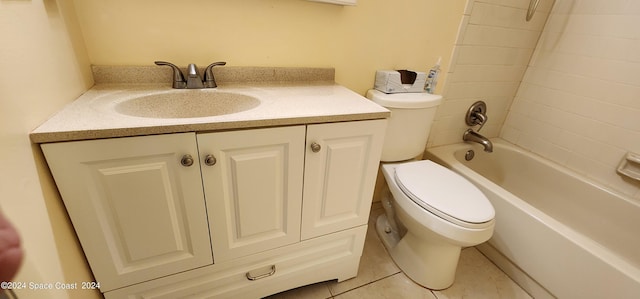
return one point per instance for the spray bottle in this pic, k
(432, 77)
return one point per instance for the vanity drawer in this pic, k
(328, 257)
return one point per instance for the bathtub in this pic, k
(557, 233)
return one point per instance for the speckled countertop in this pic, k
(302, 99)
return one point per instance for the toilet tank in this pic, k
(408, 128)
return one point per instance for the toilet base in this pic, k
(430, 264)
(389, 237)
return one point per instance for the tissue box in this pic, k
(400, 81)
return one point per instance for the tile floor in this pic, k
(379, 277)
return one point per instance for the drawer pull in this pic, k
(251, 277)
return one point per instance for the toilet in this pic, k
(431, 213)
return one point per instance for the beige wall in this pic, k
(45, 53)
(43, 66)
(356, 40)
(48, 45)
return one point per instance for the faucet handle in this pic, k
(178, 78)
(481, 119)
(209, 81)
(477, 114)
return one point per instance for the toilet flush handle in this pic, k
(315, 147)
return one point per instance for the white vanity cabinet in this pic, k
(339, 175)
(138, 212)
(253, 212)
(253, 188)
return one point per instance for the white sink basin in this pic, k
(187, 104)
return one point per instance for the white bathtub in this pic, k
(573, 238)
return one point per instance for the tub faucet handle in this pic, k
(477, 114)
(481, 119)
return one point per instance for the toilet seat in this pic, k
(444, 193)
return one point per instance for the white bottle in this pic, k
(432, 77)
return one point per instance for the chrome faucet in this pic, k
(193, 78)
(209, 81)
(194, 81)
(178, 78)
(476, 115)
(470, 135)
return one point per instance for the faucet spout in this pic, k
(193, 78)
(470, 135)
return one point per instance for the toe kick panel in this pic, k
(334, 256)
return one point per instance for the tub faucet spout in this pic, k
(470, 135)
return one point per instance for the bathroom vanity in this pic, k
(241, 204)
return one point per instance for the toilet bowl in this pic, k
(431, 213)
(434, 213)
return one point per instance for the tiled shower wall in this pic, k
(492, 51)
(579, 102)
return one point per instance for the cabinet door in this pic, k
(254, 190)
(340, 172)
(138, 212)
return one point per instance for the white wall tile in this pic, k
(482, 35)
(488, 73)
(580, 97)
(544, 5)
(493, 49)
(488, 55)
(577, 102)
(469, 7)
(505, 16)
(509, 3)
(480, 90)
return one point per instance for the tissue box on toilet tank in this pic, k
(400, 81)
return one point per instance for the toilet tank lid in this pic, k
(404, 100)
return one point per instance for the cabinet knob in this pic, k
(315, 147)
(187, 160)
(210, 160)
